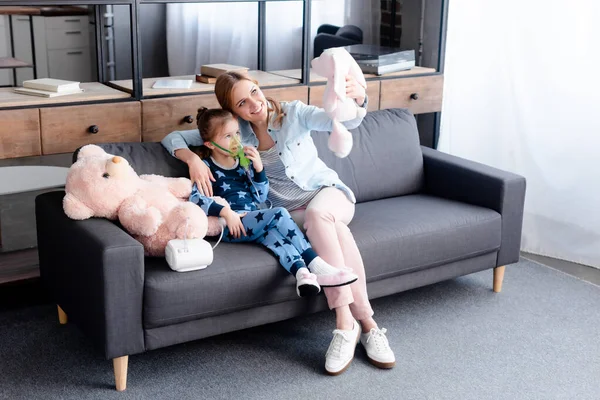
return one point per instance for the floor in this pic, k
(583, 272)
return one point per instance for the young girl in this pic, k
(245, 187)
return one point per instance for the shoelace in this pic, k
(375, 334)
(339, 337)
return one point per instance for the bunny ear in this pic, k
(76, 209)
(339, 75)
(356, 72)
(90, 150)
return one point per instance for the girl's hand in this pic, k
(234, 222)
(355, 90)
(200, 175)
(254, 156)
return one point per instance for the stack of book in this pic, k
(210, 72)
(380, 60)
(48, 87)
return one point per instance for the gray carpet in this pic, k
(539, 339)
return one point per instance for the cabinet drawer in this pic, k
(316, 95)
(163, 116)
(20, 133)
(420, 95)
(70, 64)
(288, 93)
(75, 22)
(67, 39)
(64, 129)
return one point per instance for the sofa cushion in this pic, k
(410, 233)
(386, 158)
(395, 236)
(241, 276)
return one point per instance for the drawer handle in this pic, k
(188, 119)
(73, 53)
(414, 96)
(26, 19)
(73, 33)
(93, 129)
(72, 20)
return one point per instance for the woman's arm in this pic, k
(177, 144)
(181, 140)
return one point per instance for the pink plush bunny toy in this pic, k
(335, 64)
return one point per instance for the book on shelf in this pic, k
(205, 78)
(380, 60)
(52, 85)
(172, 84)
(44, 93)
(215, 70)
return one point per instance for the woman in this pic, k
(314, 194)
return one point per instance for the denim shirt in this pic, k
(293, 142)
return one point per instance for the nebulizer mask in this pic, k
(236, 150)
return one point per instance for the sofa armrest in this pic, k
(470, 182)
(95, 271)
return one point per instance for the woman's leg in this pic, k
(326, 218)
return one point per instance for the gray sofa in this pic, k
(422, 217)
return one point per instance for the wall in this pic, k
(530, 105)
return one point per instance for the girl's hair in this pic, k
(210, 120)
(224, 87)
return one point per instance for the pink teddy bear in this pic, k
(152, 208)
(335, 64)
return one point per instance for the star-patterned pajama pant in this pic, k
(275, 229)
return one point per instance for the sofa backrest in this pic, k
(147, 158)
(386, 159)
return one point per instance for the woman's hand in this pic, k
(254, 156)
(201, 175)
(234, 222)
(355, 90)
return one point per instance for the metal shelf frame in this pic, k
(136, 49)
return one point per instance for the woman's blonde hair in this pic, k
(224, 87)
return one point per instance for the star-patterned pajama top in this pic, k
(273, 228)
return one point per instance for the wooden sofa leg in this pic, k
(498, 278)
(62, 316)
(120, 365)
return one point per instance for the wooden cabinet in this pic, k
(64, 129)
(373, 87)
(162, 116)
(20, 133)
(419, 94)
(288, 93)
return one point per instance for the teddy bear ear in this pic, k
(75, 209)
(90, 150)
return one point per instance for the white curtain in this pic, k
(522, 93)
(227, 32)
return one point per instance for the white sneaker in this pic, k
(341, 350)
(378, 348)
(306, 283)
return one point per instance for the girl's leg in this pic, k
(326, 219)
(275, 229)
